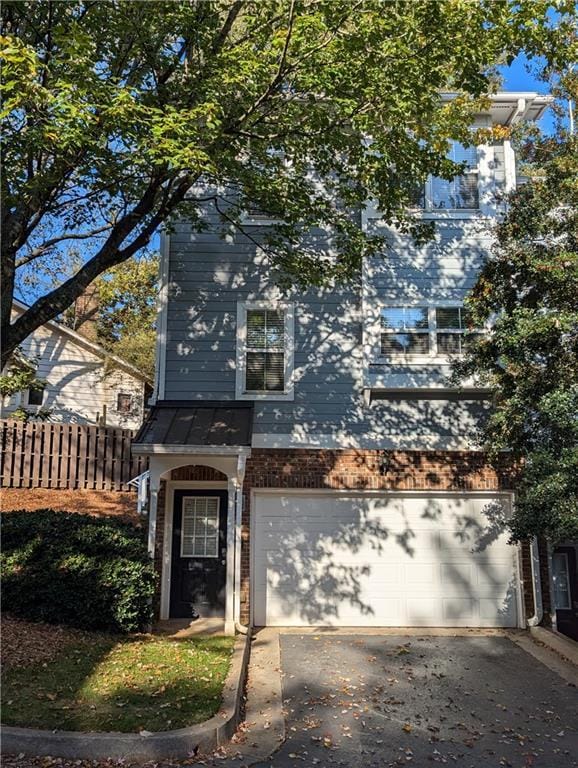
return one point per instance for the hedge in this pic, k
(87, 572)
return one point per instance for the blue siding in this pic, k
(209, 274)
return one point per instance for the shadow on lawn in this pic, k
(114, 683)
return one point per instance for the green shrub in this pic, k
(88, 572)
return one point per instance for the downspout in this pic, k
(534, 620)
(241, 463)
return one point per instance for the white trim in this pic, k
(520, 607)
(170, 487)
(340, 439)
(450, 492)
(230, 559)
(459, 493)
(188, 450)
(372, 332)
(241, 465)
(162, 319)
(240, 354)
(248, 220)
(487, 180)
(509, 167)
(200, 485)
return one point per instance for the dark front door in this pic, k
(198, 568)
(565, 578)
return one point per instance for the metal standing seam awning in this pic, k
(175, 424)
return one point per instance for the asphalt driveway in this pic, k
(367, 700)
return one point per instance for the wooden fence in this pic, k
(47, 455)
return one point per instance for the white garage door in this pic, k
(375, 560)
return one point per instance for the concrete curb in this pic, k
(175, 745)
(563, 645)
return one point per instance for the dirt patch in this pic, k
(118, 504)
(27, 642)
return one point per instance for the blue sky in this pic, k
(518, 78)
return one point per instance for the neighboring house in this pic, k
(84, 383)
(310, 463)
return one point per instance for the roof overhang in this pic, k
(206, 427)
(510, 107)
(158, 449)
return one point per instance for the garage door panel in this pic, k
(366, 560)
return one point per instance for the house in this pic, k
(310, 463)
(84, 384)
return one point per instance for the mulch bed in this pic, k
(119, 504)
(26, 642)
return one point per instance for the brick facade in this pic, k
(363, 470)
(357, 470)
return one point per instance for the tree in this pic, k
(115, 111)
(529, 290)
(126, 316)
(19, 376)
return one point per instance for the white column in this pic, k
(509, 167)
(241, 462)
(230, 559)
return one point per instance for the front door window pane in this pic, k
(561, 580)
(200, 526)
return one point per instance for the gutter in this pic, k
(535, 620)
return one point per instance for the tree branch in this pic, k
(36, 252)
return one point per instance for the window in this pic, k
(424, 331)
(200, 526)
(461, 193)
(451, 330)
(265, 370)
(124, 402)
(264, 351)
(35, 396)
(561, 580)
(404, 330)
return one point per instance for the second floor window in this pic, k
(417, 331)
(265, 355)
(461, 193)
(264, 369)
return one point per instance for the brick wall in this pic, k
(363, 470)
(354, 470)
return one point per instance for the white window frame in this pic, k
(568, 585)
(373, 327)
(124, 393)
(264, 220)
(428, 207)
(28, 404)
(241, 352)
(193, 556)
(370, 214)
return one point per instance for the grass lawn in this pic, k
(105, 683)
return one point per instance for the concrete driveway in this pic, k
(371, 700)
